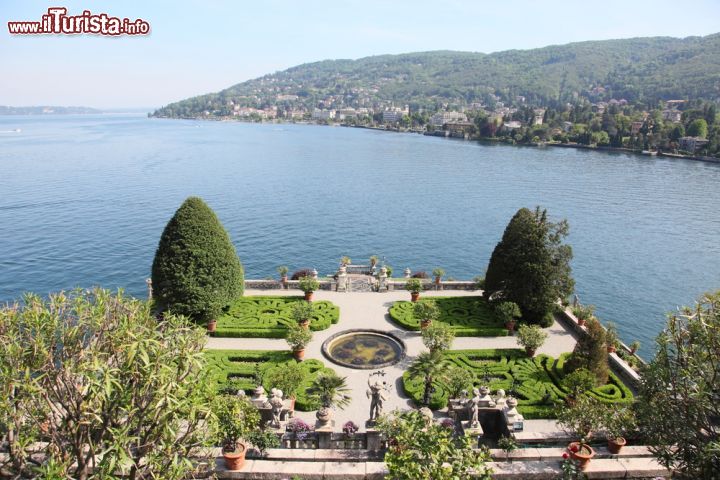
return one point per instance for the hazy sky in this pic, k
(200, 46)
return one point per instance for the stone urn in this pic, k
(324, 416)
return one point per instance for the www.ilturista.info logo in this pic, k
(57, 21)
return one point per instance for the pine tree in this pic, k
(590, 353)
(531, 266)
(196, 271)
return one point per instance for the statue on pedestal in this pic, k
(378, 393)
(276, 404)
(474, 407)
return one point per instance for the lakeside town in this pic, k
(675, 127)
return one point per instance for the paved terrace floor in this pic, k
(370, 310)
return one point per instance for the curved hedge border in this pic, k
(468, 316)
(269, 317)
(538, 381)
(233, 370)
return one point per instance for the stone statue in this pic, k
(276, 403)
(500, 401)
(474, 408)
(485, 400)
(378, 393)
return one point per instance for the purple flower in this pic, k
(350, 427)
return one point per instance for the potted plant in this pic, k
(581, 419)
(302, 312)
(298, 338)
(283, 271)
(299, 430)
(331, 391)
(583, 313)
(531, 337)
(617, 421)
(288, 378)
(611, 337)
(212, 326)
(308, 285)
(577, 383)
(373, 261)
(345, 261)
(350, 429)
(262, 440)
(438, 273)
(438, 336)
(634, 347)
(507, 444)
(509, 312)
(235, 419)
(414, 286)
(426, 311)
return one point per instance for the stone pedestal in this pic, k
(407, 273)
(512, 416)
(382, 280)
(324, 435)
(374, 439)
(471, 431)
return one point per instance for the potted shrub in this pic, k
(438, 274)
(414, 286)
(331, 391)
(581, 419)
(283, 271)
(288, 378)
(437, 337)
(577, 383)
(531, 337)
(634, 347)
(308, 285)
(235, 419)
(345, 261)
(302, 312)
(298, 338)
(611, 337)
(507, 444)
(373, 261)
(583, 313)
(426, 311)
(262, 440)
(299, 430)
(509, 312)
(618, 421)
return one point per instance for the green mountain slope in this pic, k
(639, 69)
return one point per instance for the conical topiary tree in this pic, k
(196, 271)
(590, 353)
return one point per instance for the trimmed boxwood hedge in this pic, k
(538, 381)
(468, 316)
(234, 370)
(269, 317)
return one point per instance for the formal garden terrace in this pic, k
(354, 374)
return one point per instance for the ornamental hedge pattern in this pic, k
(535, 382)
(270, 317)
(468, 316)
(234, 370)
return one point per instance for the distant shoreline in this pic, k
(493, 141)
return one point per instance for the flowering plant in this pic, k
(299, 428)
(448, 423)
(571, 468)
(350, 427)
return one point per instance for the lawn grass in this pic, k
(270, 316)
(468, 316)
(535, 382)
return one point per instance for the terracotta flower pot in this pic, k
(437, 280)
(581, 322)
(211, 326)
(305, 324)
(425, 323)
(611, 349)
(616, 444)
(235, 460)
(414, 296)
(581, 452)
(308, 296)
(299, 354)
(530, 351)
(510, 326)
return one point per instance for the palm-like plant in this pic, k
(429, 366)
(330, 390)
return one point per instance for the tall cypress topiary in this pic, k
(531, 266)
(590, 353)
(196, 271)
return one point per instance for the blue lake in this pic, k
(83, 200)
